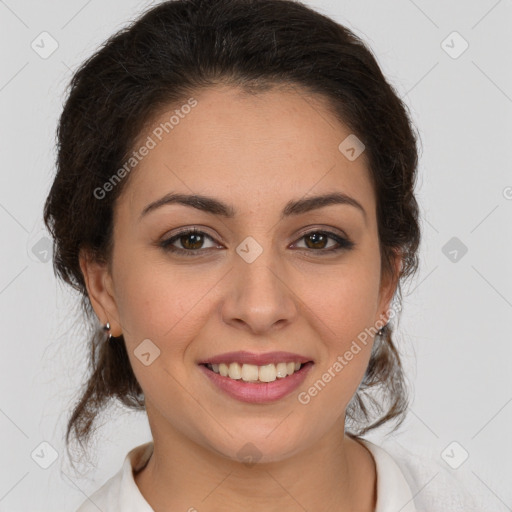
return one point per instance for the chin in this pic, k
(259, 447)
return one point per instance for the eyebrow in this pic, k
(214, 206)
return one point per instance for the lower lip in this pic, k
(258, 393)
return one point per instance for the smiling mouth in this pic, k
(254, 374)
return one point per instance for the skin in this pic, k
(257, 153)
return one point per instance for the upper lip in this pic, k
(244, 357)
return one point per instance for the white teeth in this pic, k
(281, 370)
(235, 371)
(267, 373)
(253, 373)
(249, 372)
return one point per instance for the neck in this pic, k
(337, 472)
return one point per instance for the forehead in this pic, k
(260, 148)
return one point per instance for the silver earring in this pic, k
(106, 327)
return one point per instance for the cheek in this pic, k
(162, 305)
(162, 302)
(347, 345)
(344, 301)
(344, 309)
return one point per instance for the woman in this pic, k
(235, 203)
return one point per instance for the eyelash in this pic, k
(344, 243)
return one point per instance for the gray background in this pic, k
(454, 332)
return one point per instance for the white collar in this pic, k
(393, 491)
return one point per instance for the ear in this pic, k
(388, 287)
(100, 289)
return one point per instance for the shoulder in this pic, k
(106, 497)
(434, 487)
(120, 493)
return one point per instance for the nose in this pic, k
(259, 295)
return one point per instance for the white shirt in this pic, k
(402, 485)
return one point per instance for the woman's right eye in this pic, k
(190, 238)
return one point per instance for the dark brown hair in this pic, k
(164, 57)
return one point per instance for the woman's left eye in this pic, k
(319, 238)
(192, 240)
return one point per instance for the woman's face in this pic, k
(256, 282)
